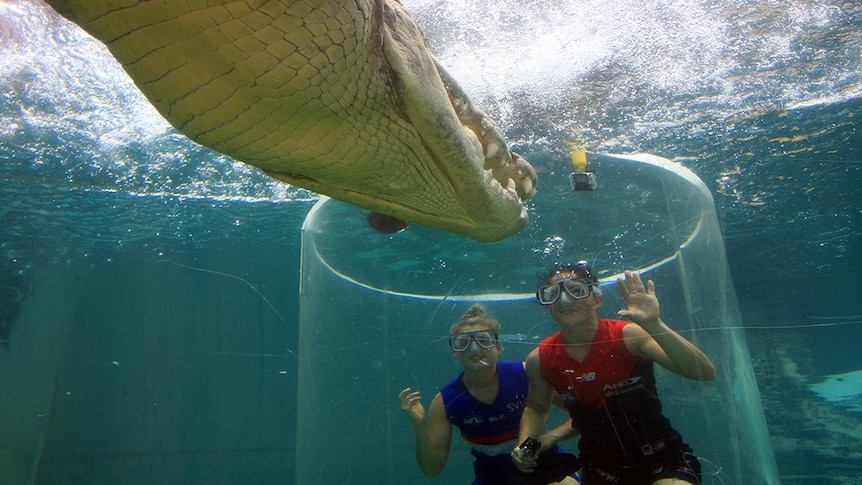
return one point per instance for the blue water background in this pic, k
(178, 267)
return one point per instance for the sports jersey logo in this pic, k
(588, 377)
(515, 406)
(472, 420)
(623, 386)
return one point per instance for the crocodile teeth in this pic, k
(491, 149)
(511, 185)
(528, 187)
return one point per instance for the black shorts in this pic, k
(683, 466)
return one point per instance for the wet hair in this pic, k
(582, 269)
(475, 315)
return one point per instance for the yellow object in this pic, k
(579, 157)
(579, 160)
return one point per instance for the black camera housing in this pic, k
(531, 445)
(583, 181)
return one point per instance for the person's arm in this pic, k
(535, 416)
(433, 441)
(652, 338)
(562, 432)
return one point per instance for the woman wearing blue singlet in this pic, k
(485, 402)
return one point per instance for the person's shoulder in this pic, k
(630, 329)
(532, 357)
(634, 337)
(615, 325)
(532, 363)
(438, 404)
(547, 345)
(614, 322)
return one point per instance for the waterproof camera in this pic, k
(530, 447)
(583, 180)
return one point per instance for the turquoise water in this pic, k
(156, 336)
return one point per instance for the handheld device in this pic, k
(530, 447)
(582, 179)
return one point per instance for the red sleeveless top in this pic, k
(611, 397)
(607, 369)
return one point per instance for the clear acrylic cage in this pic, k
(376, 309)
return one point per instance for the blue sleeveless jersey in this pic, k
(489, 424)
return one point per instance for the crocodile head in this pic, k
(344, 98)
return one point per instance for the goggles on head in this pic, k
(577, 289)
(485, 339)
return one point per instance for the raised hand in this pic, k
(412, 406)
(641, 301)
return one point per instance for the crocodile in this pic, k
(341, 97)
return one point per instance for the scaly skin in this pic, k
(342, 97)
